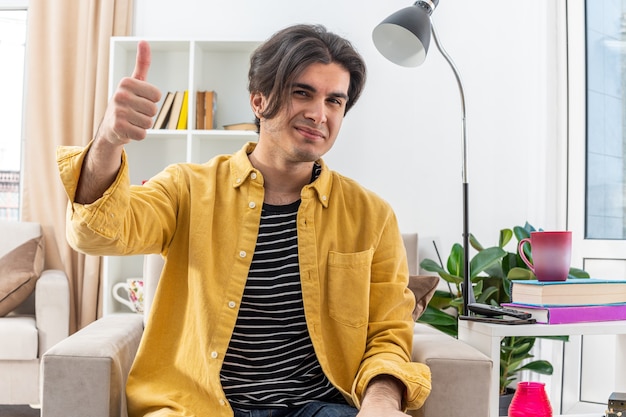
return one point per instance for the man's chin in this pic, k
(311, 152)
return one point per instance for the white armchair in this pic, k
(85, 375)
(37, 323)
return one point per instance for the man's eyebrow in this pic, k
(313, 90)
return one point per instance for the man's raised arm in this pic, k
(127, 117)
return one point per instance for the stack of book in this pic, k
(173, 111)
(206, 106)
(576, 300)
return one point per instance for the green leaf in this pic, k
(509, 261)
(437, 317)
(475, 243)
(515, 365)
(520, 273)
(441, 300)
(439, 320)
(455, 260)
(506, 284)
(505, 237)
(485, 259)
(486, 294)
(541, 367)
(456, 280)
(578, 273)
(443, 294)
(432, 266)
(522, 351)
(523, 232)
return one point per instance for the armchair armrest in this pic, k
(85, 374)
(461, 375)
(52, 308)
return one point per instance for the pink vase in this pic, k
(530, 400)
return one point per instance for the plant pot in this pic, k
(505, 401)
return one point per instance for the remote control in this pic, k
(491, 310)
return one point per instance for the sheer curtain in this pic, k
(67, 61)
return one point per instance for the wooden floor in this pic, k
(18, 411)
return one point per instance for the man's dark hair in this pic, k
(278, 62)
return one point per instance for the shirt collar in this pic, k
(241, 169)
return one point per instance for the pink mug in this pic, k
(551, 254)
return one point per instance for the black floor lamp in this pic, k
(403, 38)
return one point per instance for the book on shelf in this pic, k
(573, 291)
(572, 314)
(210, 109)
(242, 126)
(162, 116)
(182, 118)
(177, 105)
(200, 109)
(206, 107)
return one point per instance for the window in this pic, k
(606, 117)
(12, 54)
(596, 106)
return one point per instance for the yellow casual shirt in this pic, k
(204, 219)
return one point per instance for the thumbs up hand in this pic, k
(133, 104)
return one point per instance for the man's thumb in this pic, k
(142, 64)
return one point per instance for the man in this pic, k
(284, 291)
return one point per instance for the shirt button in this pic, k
(324, 197)
(222, 402)
(214, 355)
(253, 175)
(232, 304)
(242, 254)
(238, 180)
(252, 204)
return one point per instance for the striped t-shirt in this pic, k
(270, 362)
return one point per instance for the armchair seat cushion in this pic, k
(19, 338)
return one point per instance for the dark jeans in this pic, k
(313, 409)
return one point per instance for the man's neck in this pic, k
(283, 183)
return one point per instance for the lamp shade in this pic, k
(404, 36)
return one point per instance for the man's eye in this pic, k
(336, 101)
(300, 93)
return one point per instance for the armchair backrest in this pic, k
(15, 233)
(153, 265)
(412, 257)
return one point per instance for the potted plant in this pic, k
(491, 272)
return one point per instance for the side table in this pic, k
(486, 337)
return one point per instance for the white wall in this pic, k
(402, 140)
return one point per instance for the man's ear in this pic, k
(258, 104)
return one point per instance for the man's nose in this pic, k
(316, 111)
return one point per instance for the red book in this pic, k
(572, 314)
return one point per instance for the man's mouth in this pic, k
(311, 133)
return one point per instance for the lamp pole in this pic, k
(468, 293)
(403, 38)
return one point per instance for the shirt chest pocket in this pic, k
(349, 287)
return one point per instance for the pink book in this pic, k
(572, 314)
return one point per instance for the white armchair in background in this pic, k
(38, 322)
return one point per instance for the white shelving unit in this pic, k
(179, 65)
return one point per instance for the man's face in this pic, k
(306, 127)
